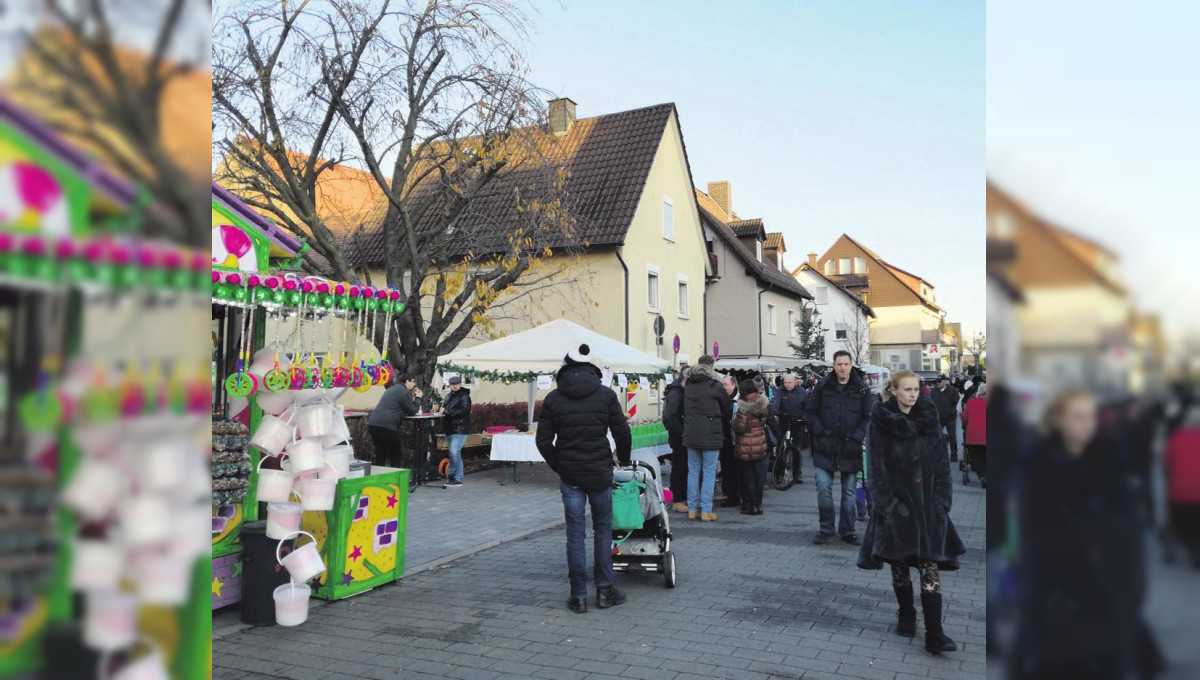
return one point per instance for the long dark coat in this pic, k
(672, 415)
(910, 484)
(706, 410)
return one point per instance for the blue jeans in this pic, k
(574, 500)
(702, 474)
(455, 443)
(825, 501)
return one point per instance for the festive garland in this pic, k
(511, 377)
(107, 262)
(289, 290)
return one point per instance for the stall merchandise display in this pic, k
(231, 466)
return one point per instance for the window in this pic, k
(771, 319)
(668, 219)
(822, 295)
(792, 323)
(758, 250)
(652, 288)
(1001, 227)
(684, 307)
(829, 268)
(844, 265)
(840, 335)
(860, 265)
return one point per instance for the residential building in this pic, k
(751, 306)
(1076, 324)
(908, 332)
(845, 318)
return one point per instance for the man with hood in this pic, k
(572, 436)
(673, 420)
(839, 412)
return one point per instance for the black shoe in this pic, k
(852, 539)
(906, 622)
(747, 509)
(757, 509)
(822, 538)
(936, 641)
(730, 503)
(609, 597)
(577, 605)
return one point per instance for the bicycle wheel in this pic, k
(781, 470)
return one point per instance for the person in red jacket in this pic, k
(1182, 460)
(974, 418)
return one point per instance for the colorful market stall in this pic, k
(68, 260)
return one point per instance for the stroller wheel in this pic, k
(669, 568)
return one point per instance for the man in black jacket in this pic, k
(839, 412)
(946, 398)
(787, 408)
(673, 420)
(572, 436)
(457, 412)
(397, 403)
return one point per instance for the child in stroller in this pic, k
(647, 548)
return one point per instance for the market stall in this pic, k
(535, 356)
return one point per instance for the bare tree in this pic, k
(858, 338)
(98, 91)
(978, 346)
(429, 100)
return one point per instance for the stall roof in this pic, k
(541, 350)
(283, 243)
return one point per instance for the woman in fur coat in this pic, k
(750, 430)
(910, 522)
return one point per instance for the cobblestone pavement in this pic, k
(755, 600)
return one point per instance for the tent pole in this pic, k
(532, 398)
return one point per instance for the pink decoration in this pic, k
(340, 290)
(289, 284)
(395, 295)
(353, 291)
(34, 246)
(368, 291)
(253, 280)
(147, 258)
(236, 241)
(235, 279)
(173, 259)
(322, 287)
(38, 188)
(272, 282)
(307, 287)
(93, 252)
(64, 250)
(7, 243)
(121, 255)
(216, 277)
(381, 294)
(199, 263)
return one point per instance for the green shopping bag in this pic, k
(627, 509)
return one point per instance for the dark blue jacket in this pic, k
(573, 429)
(839, 416)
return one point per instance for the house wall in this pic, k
(776, 344)
(902, 325)
(1075, 316)
(838, 308)
(885, 290)
(732, 319)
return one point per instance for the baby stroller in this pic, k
(648, 548)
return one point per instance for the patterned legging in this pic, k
(930, 582)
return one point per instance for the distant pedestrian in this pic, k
(1182, 459)
(910, 523)
(673, 420)
(750, 428)
(974, 418)
(788, 411)
(706, 409)
(731, 487)
(839, 412)
(572, 436)
(397, 403)
(946, 398)
(457, 411)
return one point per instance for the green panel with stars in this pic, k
(362, 539)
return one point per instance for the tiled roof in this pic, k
(762, 272)
(608, 158)
(909, 280)
(775, 242)
(750, 227)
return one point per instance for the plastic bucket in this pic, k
(274, 433)
(318, 494)
(303, 563)
(274, 486)
(160, 467)
(146, 520)
(96, 565)
(94, 489)
(337, 461)
(110, 621)
(273, 403)
(163, 578)
(283, 519)
(315, 420)
(291, 604)
(341, 431)
(305, 455)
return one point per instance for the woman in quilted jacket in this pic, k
(750, 430)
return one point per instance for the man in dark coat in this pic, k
(673, 420)
(946, 397)
(787, 410)
(731, 485)
(457, 412)
(839, 411)
(572, 436)
(706, 408)
(397, 403)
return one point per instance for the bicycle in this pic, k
(786, 460)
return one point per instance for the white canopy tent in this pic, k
(768, 364)
(541, 350)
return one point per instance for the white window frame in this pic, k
(652, 269)
(684, 304)
(830, 267)
(758, 249)
(666, 201)
(792, 332)
(863, 268)
(772, 327)
(849, 265)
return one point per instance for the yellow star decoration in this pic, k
(217, 584)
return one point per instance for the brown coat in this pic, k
(750, 424)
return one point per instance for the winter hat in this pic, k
(581, 357)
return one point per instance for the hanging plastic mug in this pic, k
(110, 621)
(341, 431)
(146, 519)
(337, 462)
(318, 494)
(273, 403)
(274, 486)
(305, 455)
(274, 433)
(96, 565)
(94, 489)
(303, 563)
(315, 420)
(291, 604)
(283, 519)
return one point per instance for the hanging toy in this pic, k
(242, 383)
(385, 371)
(298, 376)
(367, 380)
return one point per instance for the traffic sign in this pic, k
(659, 326)
(675, 345)
(716, 350)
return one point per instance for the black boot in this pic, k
(936, 641)
(747, 508)
(757, 509)
(906, 623)
(608, 597)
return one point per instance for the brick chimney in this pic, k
(812, 260)
(562, 115)
(722, 194)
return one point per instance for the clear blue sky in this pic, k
(1092, 121)
(864, 118)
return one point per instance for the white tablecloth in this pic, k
(520, 447)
